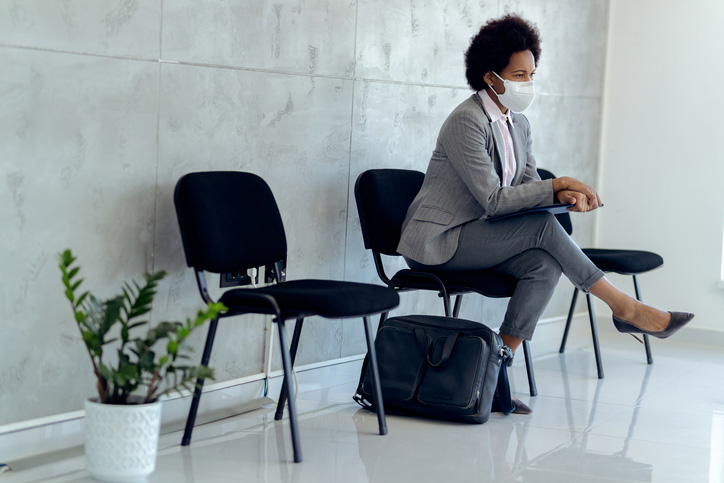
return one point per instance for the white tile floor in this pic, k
(659, 423)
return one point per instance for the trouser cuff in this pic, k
(591, 281)
(515, 332)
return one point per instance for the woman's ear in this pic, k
(488, 78)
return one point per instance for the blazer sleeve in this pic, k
(467, 141)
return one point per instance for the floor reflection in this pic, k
(627, 427)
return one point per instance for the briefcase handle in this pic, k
(425, 343)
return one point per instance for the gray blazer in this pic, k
(463, 182)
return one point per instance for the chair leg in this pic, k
(383, 317)
(529, 368)
(568, 321)
(446, 303)
(594, 335)
(458, 303)
(376, 387)
(647, 345)
(293, 353)
(649, 357)
(286, 364)
(191, 419)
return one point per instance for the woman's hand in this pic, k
(570, 190)
(578, 200)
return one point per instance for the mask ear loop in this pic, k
(491, 84)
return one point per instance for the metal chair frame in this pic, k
(594, 329)
(252, 301)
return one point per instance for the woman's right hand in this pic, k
(578, 200)
(567, 188)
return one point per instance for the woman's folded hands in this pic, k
(581, 196)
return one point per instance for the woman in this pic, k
(482, 165)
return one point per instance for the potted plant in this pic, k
(122, 423)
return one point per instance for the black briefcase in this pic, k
(440, 367)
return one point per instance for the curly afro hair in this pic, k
(491, 48)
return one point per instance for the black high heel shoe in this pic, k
(678, 320)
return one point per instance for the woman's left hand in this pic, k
(572, 186)
(578, 200)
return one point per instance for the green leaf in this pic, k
(81, 299)
(106, 372)
(204, 372)
(66, 257)
(111, 313)
(138, 312)
(79, 316)
(172, 347)
(92, 341)
(130, 371)
(119, 379)
(146, 361)
(75, 286)
(69, 295)
(126, 292)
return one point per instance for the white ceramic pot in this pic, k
(121, 440)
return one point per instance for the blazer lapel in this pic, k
(497, 137)
(499, 150)
(519, 148)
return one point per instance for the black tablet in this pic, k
(555, 209)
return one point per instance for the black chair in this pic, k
(625, 262)
(383, 197)
(230, 223)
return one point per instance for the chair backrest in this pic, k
(229, 221)
(564, 218)
(383, 197)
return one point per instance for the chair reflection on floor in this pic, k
(577, 459)
(484, 447)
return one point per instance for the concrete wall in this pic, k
(661, 152)
(106, 104)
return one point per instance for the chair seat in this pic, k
(626, 262)
(327, 298)
(485, 282)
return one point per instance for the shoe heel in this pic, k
(623, 327)
(634, 336)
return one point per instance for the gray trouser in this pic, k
(534, 249)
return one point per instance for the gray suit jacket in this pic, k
(463, 182)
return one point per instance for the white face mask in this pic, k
(517, 96)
